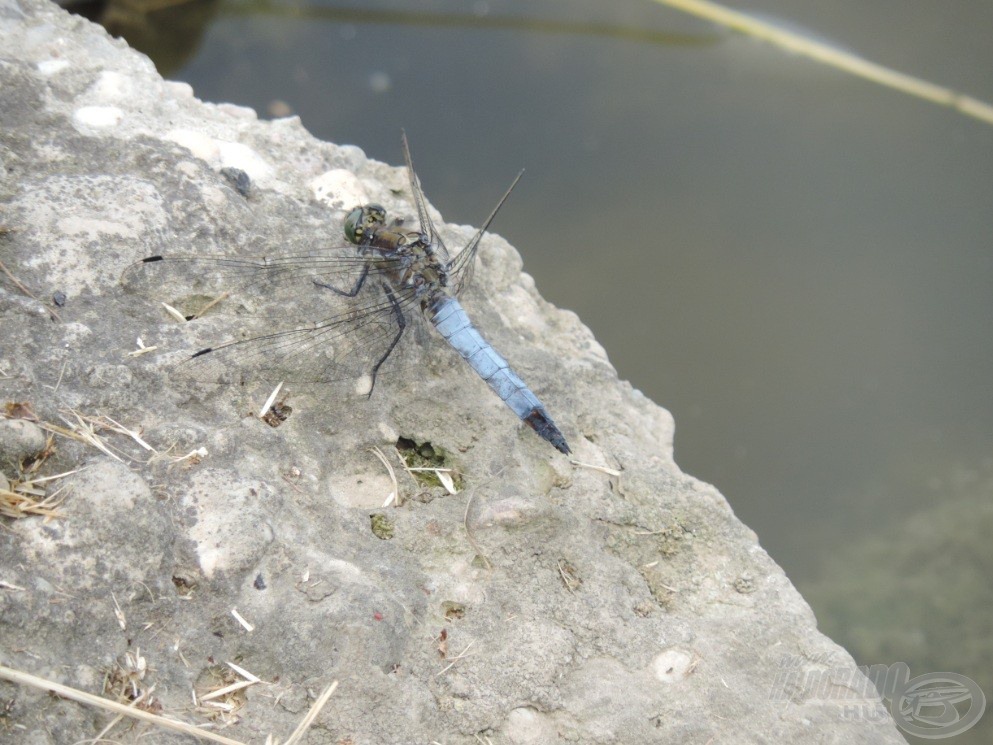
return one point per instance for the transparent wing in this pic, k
(318, 317)
(252, 275)
(461, 267)
(425, 224)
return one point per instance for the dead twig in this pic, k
(73, 694)
(456, 658)
(305, 723)
(23, 288)
(592, 467)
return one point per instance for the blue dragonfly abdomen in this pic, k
(452, 322)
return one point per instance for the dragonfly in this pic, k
(342, 312)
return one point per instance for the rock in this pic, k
(544, 601)
(19, 439)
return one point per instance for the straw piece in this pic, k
(16, 676)
(828, 55)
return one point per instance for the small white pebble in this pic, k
(98, 116)
(110, 86)
(672, 665)
(339, 188)
(363, 385)
(237, 112)
(179, 89)
(201, 145)
(52, 66)
(236, 155)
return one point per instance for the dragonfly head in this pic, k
(362, 220)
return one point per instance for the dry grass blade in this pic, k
(174, 313)
(443, 475)
(456, 658)
(114, 722)
(21, 678)
(194, 457)
(84, 430)
(17, 283)
(570, 577)
(121, 429)
(592, 467)
(119, 614)
(142, 349)
(468, 532)
(220, 298)
(244, 673)
(395, 494)
(270, 401)
(221, 692)
(244, 624)
(304, 725)
(15, 504)
(43, 479)
(93, 424)
(23, 288)
(828, 55)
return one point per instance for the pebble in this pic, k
(20, 439)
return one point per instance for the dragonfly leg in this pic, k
(346, 293)
(401, 323)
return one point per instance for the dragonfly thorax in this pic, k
(423, 273)
(414, 260)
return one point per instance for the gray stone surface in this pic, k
(545, 602)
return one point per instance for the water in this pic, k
(808, 255)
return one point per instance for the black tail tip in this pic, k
(540, 422)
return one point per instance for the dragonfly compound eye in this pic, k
(355, 225)
(363, 219)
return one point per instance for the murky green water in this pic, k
(798, 264)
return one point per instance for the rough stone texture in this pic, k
(544, 602)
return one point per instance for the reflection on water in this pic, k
(794, 262)
(168, 31)
(902, 594)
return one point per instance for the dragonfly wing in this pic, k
(251, 276)
(462, 266)
(426, 224)
(344, 349)
(423, 218)
(282, 319)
